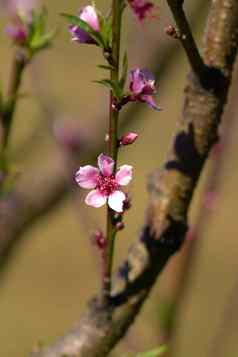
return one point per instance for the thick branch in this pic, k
(171, 190)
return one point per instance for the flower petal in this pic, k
(136, 81)
(115, 201)
(79, 35)
(89, 15)
(105, 164)
(95, 199)
(150, 101)
(86, 176)
(124, 175)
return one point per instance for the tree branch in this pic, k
(171, 190)
(186, 38)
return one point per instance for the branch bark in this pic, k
(171, 191)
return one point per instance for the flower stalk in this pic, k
(117, 9)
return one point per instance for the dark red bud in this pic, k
(171, 31)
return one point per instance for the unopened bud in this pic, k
(99, 239)
(128, 138)
(127, 203)
(171, 31)
(120, 226)
(17, 33)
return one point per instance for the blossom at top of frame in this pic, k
(142, 87)
(15, 7)
(90, 16)
(141, 8)
(104, 183)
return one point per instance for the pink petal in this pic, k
(105, 164)
(136, 81)
(89, 15)
(124, 175)
(115, 201)
(86, 176)
(95, 199)
(150, 101)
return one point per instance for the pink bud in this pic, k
(18, 33)
(120, 226)
(99, 239)
(128, 138)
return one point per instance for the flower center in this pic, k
(107, 184)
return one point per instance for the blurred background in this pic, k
(54, 268)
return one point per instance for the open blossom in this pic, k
(142, 86)
(141, 8)
(105, 184)
(89, 15)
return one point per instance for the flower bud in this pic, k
(120, 226)
(127, 203)
(17, 33)
(99, 240)
(89, 15)
(128, 138)
(171, 31)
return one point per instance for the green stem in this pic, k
(117, 6)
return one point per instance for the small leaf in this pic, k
(157, 352)
(107, 67)
(75, 20)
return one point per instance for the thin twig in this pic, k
(186, 38)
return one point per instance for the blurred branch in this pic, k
(171, 191)
(209, 202)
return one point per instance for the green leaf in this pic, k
(75, 20)
(114, 87)
(124, 71)
(43, 41)
(107, 67)
(157, 352)
(106, 31)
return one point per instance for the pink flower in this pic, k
(142, 86)
(89, 15)
(105, 185)
(141, 8)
